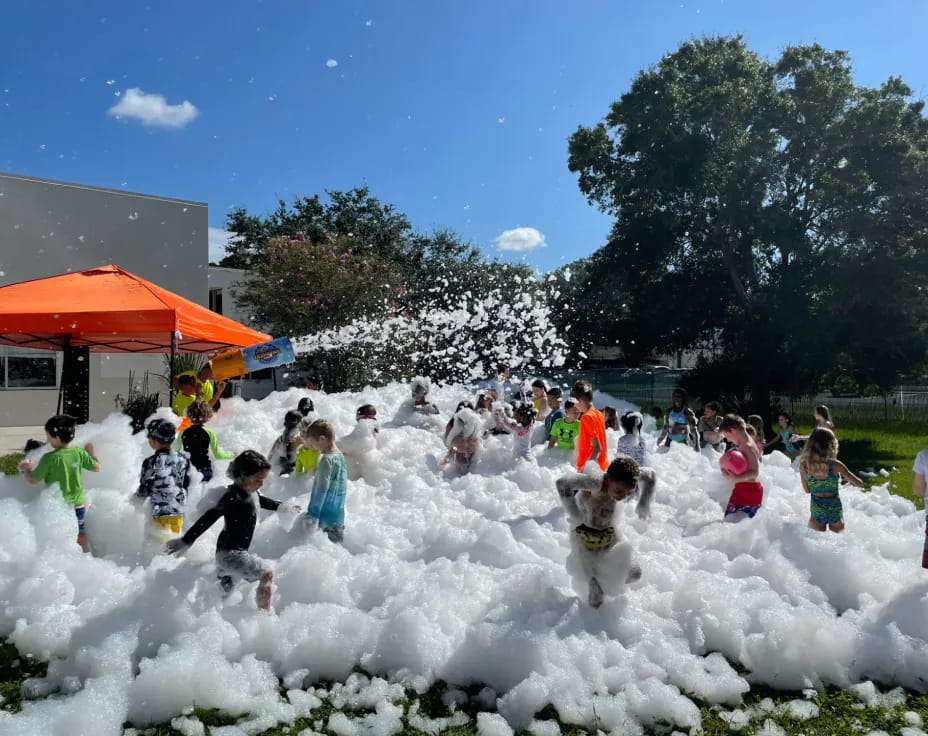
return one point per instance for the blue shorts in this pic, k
(735, 508)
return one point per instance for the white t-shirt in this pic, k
(921, 467)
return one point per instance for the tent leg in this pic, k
(171, 370)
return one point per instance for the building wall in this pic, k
(50, 227)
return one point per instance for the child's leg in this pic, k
(335, 534)
(595, 597)
(263, 594)
(838, 526)
(817, 525)
(80, 512)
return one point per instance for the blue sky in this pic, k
(457, 113)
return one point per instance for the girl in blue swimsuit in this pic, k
(785, 431)
(821, 472)
(679, 422)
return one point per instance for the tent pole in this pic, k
(67, 343)
(171, 369)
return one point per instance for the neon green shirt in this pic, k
(181, 402)
(565, 433)
(206, 387)
(306, 460)
(63, 466)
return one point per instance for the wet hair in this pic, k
(247, 465)
(823, 412)
(187, 380)
(539, 383)
(623, 470)
(32, 445)
(756, 421)
(305, 406)
(714, 406)
(582, 390)
(292, 419)
(555, 392)
(199, 412)
(611, 417)
(525, 414)
(820, 448)
(732, 422)
(161, 430)
(62, 427)
(368, 411)
(320, 428)
(630, 421)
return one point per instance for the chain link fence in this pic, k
(907, 404)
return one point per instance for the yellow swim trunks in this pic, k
(169, 523)
(596, 540)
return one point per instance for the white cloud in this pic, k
(153, 109)
(218, 239)
(520, 238)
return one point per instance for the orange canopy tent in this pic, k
(109, 310)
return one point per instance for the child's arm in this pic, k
(665, 430)
(918, 485)
(217, 394)
(847, 474)
(565, 491)
(95, 467)
(552, 441)
(179, 546)
(218, 452)
(146, 478)
(27, 466)
(268, 503)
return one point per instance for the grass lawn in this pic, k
(874, 445)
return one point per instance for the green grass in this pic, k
(840, 713)
(882, 445)
(9, 464)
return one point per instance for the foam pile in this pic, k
(460, 579)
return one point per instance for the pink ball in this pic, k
(734, 462)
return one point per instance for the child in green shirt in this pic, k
(63, 466)
(564, 430)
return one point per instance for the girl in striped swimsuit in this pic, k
(821, 472)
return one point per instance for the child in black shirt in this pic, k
(238, 507)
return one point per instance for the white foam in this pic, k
(459, 579)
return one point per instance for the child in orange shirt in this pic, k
(591, 439)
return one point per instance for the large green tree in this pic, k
(773, 211)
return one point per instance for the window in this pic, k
(28, 368)
(215, 300)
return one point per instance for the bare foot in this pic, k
(596, 593)
(263, 597)
(83, 542)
